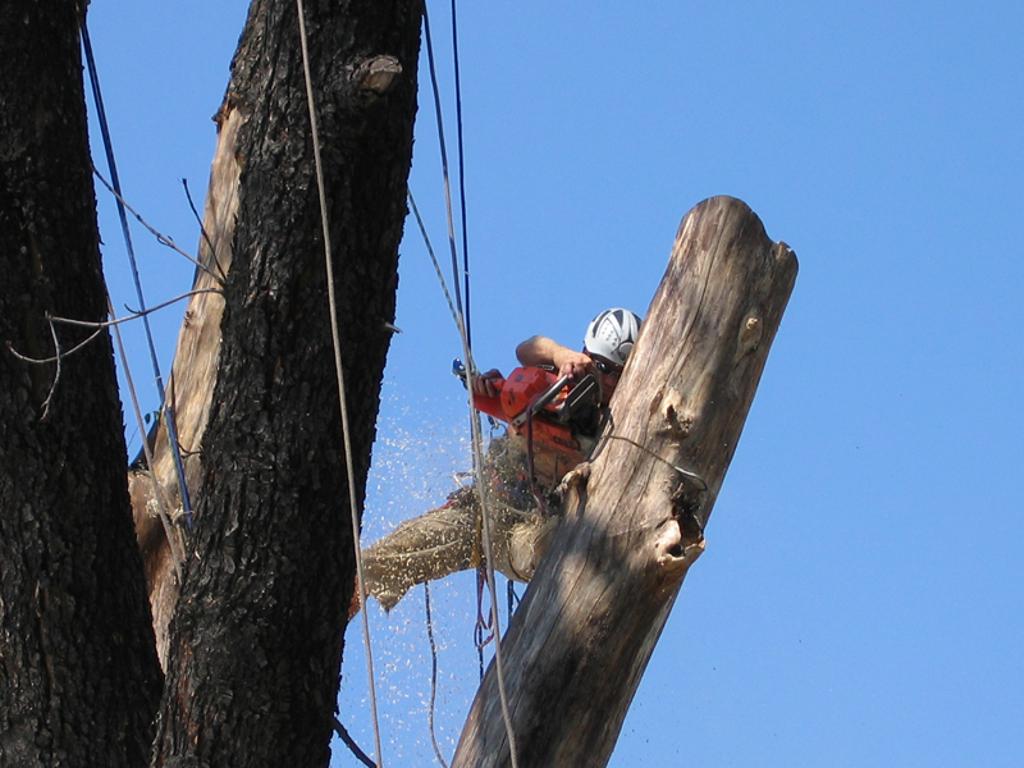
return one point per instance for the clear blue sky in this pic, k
(860, 601)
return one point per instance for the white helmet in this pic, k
(612, 334)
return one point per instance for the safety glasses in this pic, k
(606, 367)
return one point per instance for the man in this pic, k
(447, 539)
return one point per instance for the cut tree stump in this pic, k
(579, 643)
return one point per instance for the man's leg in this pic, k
(446, 540)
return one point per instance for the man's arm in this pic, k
(540, 350)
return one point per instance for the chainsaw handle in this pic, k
(541, 400)
(550, 394)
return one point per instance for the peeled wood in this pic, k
(191, 387)
(578, 645)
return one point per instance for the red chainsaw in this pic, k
(547, 409)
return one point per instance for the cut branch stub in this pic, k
(377, 73)
(579, 643)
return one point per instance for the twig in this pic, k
(202, 230)
(173, 404)
(59, 356)
(160, 237)
(135, 314)
(56, 375)
(99, 326)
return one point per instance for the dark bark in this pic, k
(578, 645)
(79, 681)
(256, 641)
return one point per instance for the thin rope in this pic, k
(482, 634)
(700, 481)
(462, 173)
(483, 631)
(164, 240)
(163, 507)
(433, 676)
(492, 589)
(474, 417)
(433, 260)
(168, 410)
(336, 343)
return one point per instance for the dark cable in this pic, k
(172, 430)
(433, 676)
(462, 168)
(351, 744)
(444, 165)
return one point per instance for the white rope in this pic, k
(177, 551)
(336, 342)
(474, 417)
(433, 260)
(488, 553)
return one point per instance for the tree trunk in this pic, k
(79, 680)
(255, 643)
(578, 645)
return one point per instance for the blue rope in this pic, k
(168, 410)
(462, 174)
(444, 168)
(481, 634)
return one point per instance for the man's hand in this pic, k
(540, 350)
(485, 384)
(571, 363)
